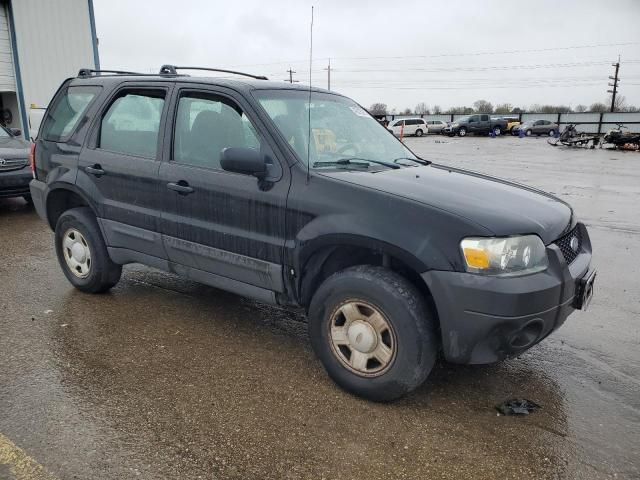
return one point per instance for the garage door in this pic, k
(7, 77)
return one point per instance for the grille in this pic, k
(564, 244)
(7, 164)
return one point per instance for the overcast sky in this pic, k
(446, 53)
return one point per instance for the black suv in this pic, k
(299, 197)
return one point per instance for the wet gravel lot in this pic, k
(165, 378)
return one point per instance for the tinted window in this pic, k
(484, 118)
(63, 117)
(131, 124)
(206, 125)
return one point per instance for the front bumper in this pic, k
(484, 319)
(15, 183)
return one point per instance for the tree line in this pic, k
(483, 106)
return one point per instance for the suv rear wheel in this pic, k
(82, 253)
(373, 332)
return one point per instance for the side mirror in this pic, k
(246, 161)
(16, 132)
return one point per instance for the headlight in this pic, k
(504, 256)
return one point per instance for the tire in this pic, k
(528, 133)
(497, 131)
(419, 133)
(410, 337)
(96, 273)
(552, 132)
(462, 132)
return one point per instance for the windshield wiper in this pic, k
(342, 161)
(361, 162)
(421, 161)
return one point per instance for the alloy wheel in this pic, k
(77, 253)
(362, 338)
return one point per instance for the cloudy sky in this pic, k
(445, 53)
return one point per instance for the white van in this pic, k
(408, 126)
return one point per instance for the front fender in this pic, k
(397, 239)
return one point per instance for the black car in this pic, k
(394, 258)
(15, 173)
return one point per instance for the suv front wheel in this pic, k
(82, 253)
(373, 332)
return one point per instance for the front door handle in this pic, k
(181, 187)
(95, 170)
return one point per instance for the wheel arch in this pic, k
(62, 197)
(329, 254)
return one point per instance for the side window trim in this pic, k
(113, 96)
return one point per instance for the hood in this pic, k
(12, 147)
(503, 207)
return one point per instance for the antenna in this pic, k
(310, 69)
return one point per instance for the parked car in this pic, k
(512, 122)
(408, 126)
(15, 173)
(435, 126)
(394, 258)
(479, 124)
(537, 127)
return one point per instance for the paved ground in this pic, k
(164, 378)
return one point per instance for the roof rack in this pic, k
(173, 70)
(88, 72)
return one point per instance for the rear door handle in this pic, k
(181, 187)
(95, 170)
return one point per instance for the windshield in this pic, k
(340, 129)
(462, 119)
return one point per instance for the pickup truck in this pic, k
(480, 123)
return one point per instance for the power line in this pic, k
(479, 69)
(493, 52)
(444, 55)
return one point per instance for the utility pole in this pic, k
(328, 69)
(614, 84)
(291, 80)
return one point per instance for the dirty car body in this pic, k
(297, 214)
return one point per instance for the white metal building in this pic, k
(42, 42)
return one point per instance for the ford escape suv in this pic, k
(299, 197)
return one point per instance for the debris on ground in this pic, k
(517, 406)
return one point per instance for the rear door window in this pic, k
(131, 124)
(65, 114)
